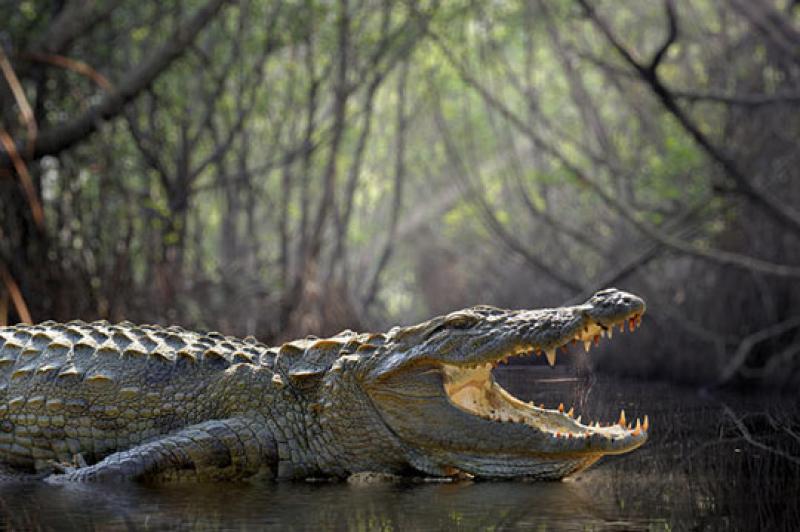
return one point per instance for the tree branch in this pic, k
(492, 222)
(742, 428)
(397, 192)
(718, 256)
(770, 206)
(737, 361)
(17, 298)
(744, 100)
(672, 34)
(63, 136)
(74, 20)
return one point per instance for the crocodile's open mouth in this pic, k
(474, 390)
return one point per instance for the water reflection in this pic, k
(696, 472)
(305, 506)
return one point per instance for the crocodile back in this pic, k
(94, 388)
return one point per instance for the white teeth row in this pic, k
(622, 422)
(635, 431)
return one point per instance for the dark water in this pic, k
(697, 472)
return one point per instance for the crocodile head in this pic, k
(433, 387)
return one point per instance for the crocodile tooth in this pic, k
(551, 357)
(596, 340)
(646, 424)
(571, 411)
(631, 324)
(610, 332)
(587, 345)
(578, 419)
(621, 421)
(622, 326)
(561, 407)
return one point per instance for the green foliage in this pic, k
(521, 121)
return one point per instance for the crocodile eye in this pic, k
(454, 322)
(462, 321)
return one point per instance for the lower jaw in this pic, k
(531, 469)
(476, 392)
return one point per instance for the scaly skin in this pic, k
(98, 401)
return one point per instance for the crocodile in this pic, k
(112, 402)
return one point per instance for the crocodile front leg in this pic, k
(228, 449)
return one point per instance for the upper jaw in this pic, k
(501, 334)
(548, 331)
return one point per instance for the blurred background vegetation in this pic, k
(280, 168)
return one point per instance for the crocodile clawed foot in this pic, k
(62, 468)
(79, 461)
(63, 471)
